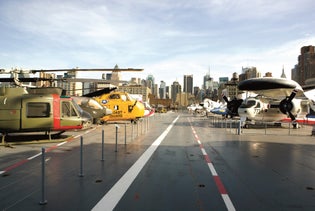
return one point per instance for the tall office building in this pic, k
(150, 83)
(283, 74)
(305, 69)
(249, 72)
(208, 82)
(116, 76)
(175, 89)
(162, 90)
(167, 92)
(188, 84)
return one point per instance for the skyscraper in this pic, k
(249, 72)
(207, 82)
(188, 84)
(175, 89)
(162, 90)
(305, 69)
(283, 74)
(150, 83)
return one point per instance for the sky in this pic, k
(167, 38)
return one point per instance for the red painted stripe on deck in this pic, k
(46, 150)
(228, 203)
(15, 165)
(219, 185)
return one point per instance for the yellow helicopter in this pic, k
(123, 107)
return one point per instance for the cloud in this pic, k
(167, 38)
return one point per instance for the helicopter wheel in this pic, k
(136, 120)
(86, 125)
(295, 125)
(3, 138)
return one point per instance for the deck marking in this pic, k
(46, 150)
(228, 203)
(113, 196)
(34, 156)
(62, 143)
(14, 166)
(212, 169)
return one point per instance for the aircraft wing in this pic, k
(309, 92)
(271, 87)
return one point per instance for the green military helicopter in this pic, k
(39, 109)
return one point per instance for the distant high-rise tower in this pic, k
(176, 89)
(208, 82)
(305, 69)
(249, 72)
(283, 74)
(188, 84)
(116, 76)
(150, 83)
(162, 90)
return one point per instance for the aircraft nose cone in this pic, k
(108, 111)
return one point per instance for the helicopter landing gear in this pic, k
(3, 139)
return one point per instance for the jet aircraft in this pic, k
(221, 110)
(208, 104)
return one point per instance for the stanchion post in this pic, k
(132, 130)
(81, 157)
(145, 125)
(313, 130)
(239, 127)
(222, 122)
(125, 134)
(43, 200)
(141, 127)
(117, 126)
(102, 145)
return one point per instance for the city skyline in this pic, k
(166, 38)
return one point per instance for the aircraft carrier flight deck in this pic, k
(170, 161)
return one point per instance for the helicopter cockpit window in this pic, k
(258, 105)
(84, 102)
(248, 104)
(68, 110)
(114, 96)
(129, 97)
(123, 97)
(37, 110)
